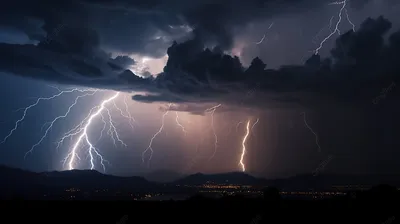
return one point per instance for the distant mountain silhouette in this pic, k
(17, 180)
(12, 179)
(163, 176)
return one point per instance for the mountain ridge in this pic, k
(19, 178)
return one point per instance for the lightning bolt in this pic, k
(56, 119)
(26, 109)
(262, 39)
(155, 135)
(316, 136)
(211, 111)
(244, 146)
(126, 114)
(252, 127)
(315, 39)
(353, 27)
(178, 123)
(84, 137)
(237, 125)
(336, 30)
(81, 130)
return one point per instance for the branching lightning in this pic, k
(56, 119)
(155, 135)
(211, 111)
(26, 109)
(316, 38)
(316, 136)
(80, 130)
(84, 137)
(244, 146)
(255, 123)
(178, 123)
(336, 30)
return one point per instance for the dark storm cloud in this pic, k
(361, 65)
(360, 62)
(147, 27)
(122, 61)
(213, 21)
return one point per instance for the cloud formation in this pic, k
(199, 67)
(361, 64)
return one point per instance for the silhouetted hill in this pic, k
(223, 178)
(163, 176)
(18, 180)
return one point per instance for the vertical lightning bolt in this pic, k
(83, 137)
(178, 123)
(155, 135)
(211, 111)
(316, 136)
(244, 146)
(336, 30)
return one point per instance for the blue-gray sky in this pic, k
(156, 53)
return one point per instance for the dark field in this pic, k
(379, 205)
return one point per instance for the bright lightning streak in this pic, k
(154, 136)
(336, 30)
(178, 123)
(81, 129)
(211, 111)
(316, 136)
(262, 39)
(244, 146)
(131, 119)
(112, 131)
(85, 138)
(127, 116)
(26, 109)
(348, 19)
(56, 119)
(255, 123)
(315, 39)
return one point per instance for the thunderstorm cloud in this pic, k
(91, 42)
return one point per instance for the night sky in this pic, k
(254, 60)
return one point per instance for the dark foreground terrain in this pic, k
(378, 205)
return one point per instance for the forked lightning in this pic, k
(336, 30)
(82, 128)
(211, 111)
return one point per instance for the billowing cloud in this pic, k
(199, 68)
(361, 64)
